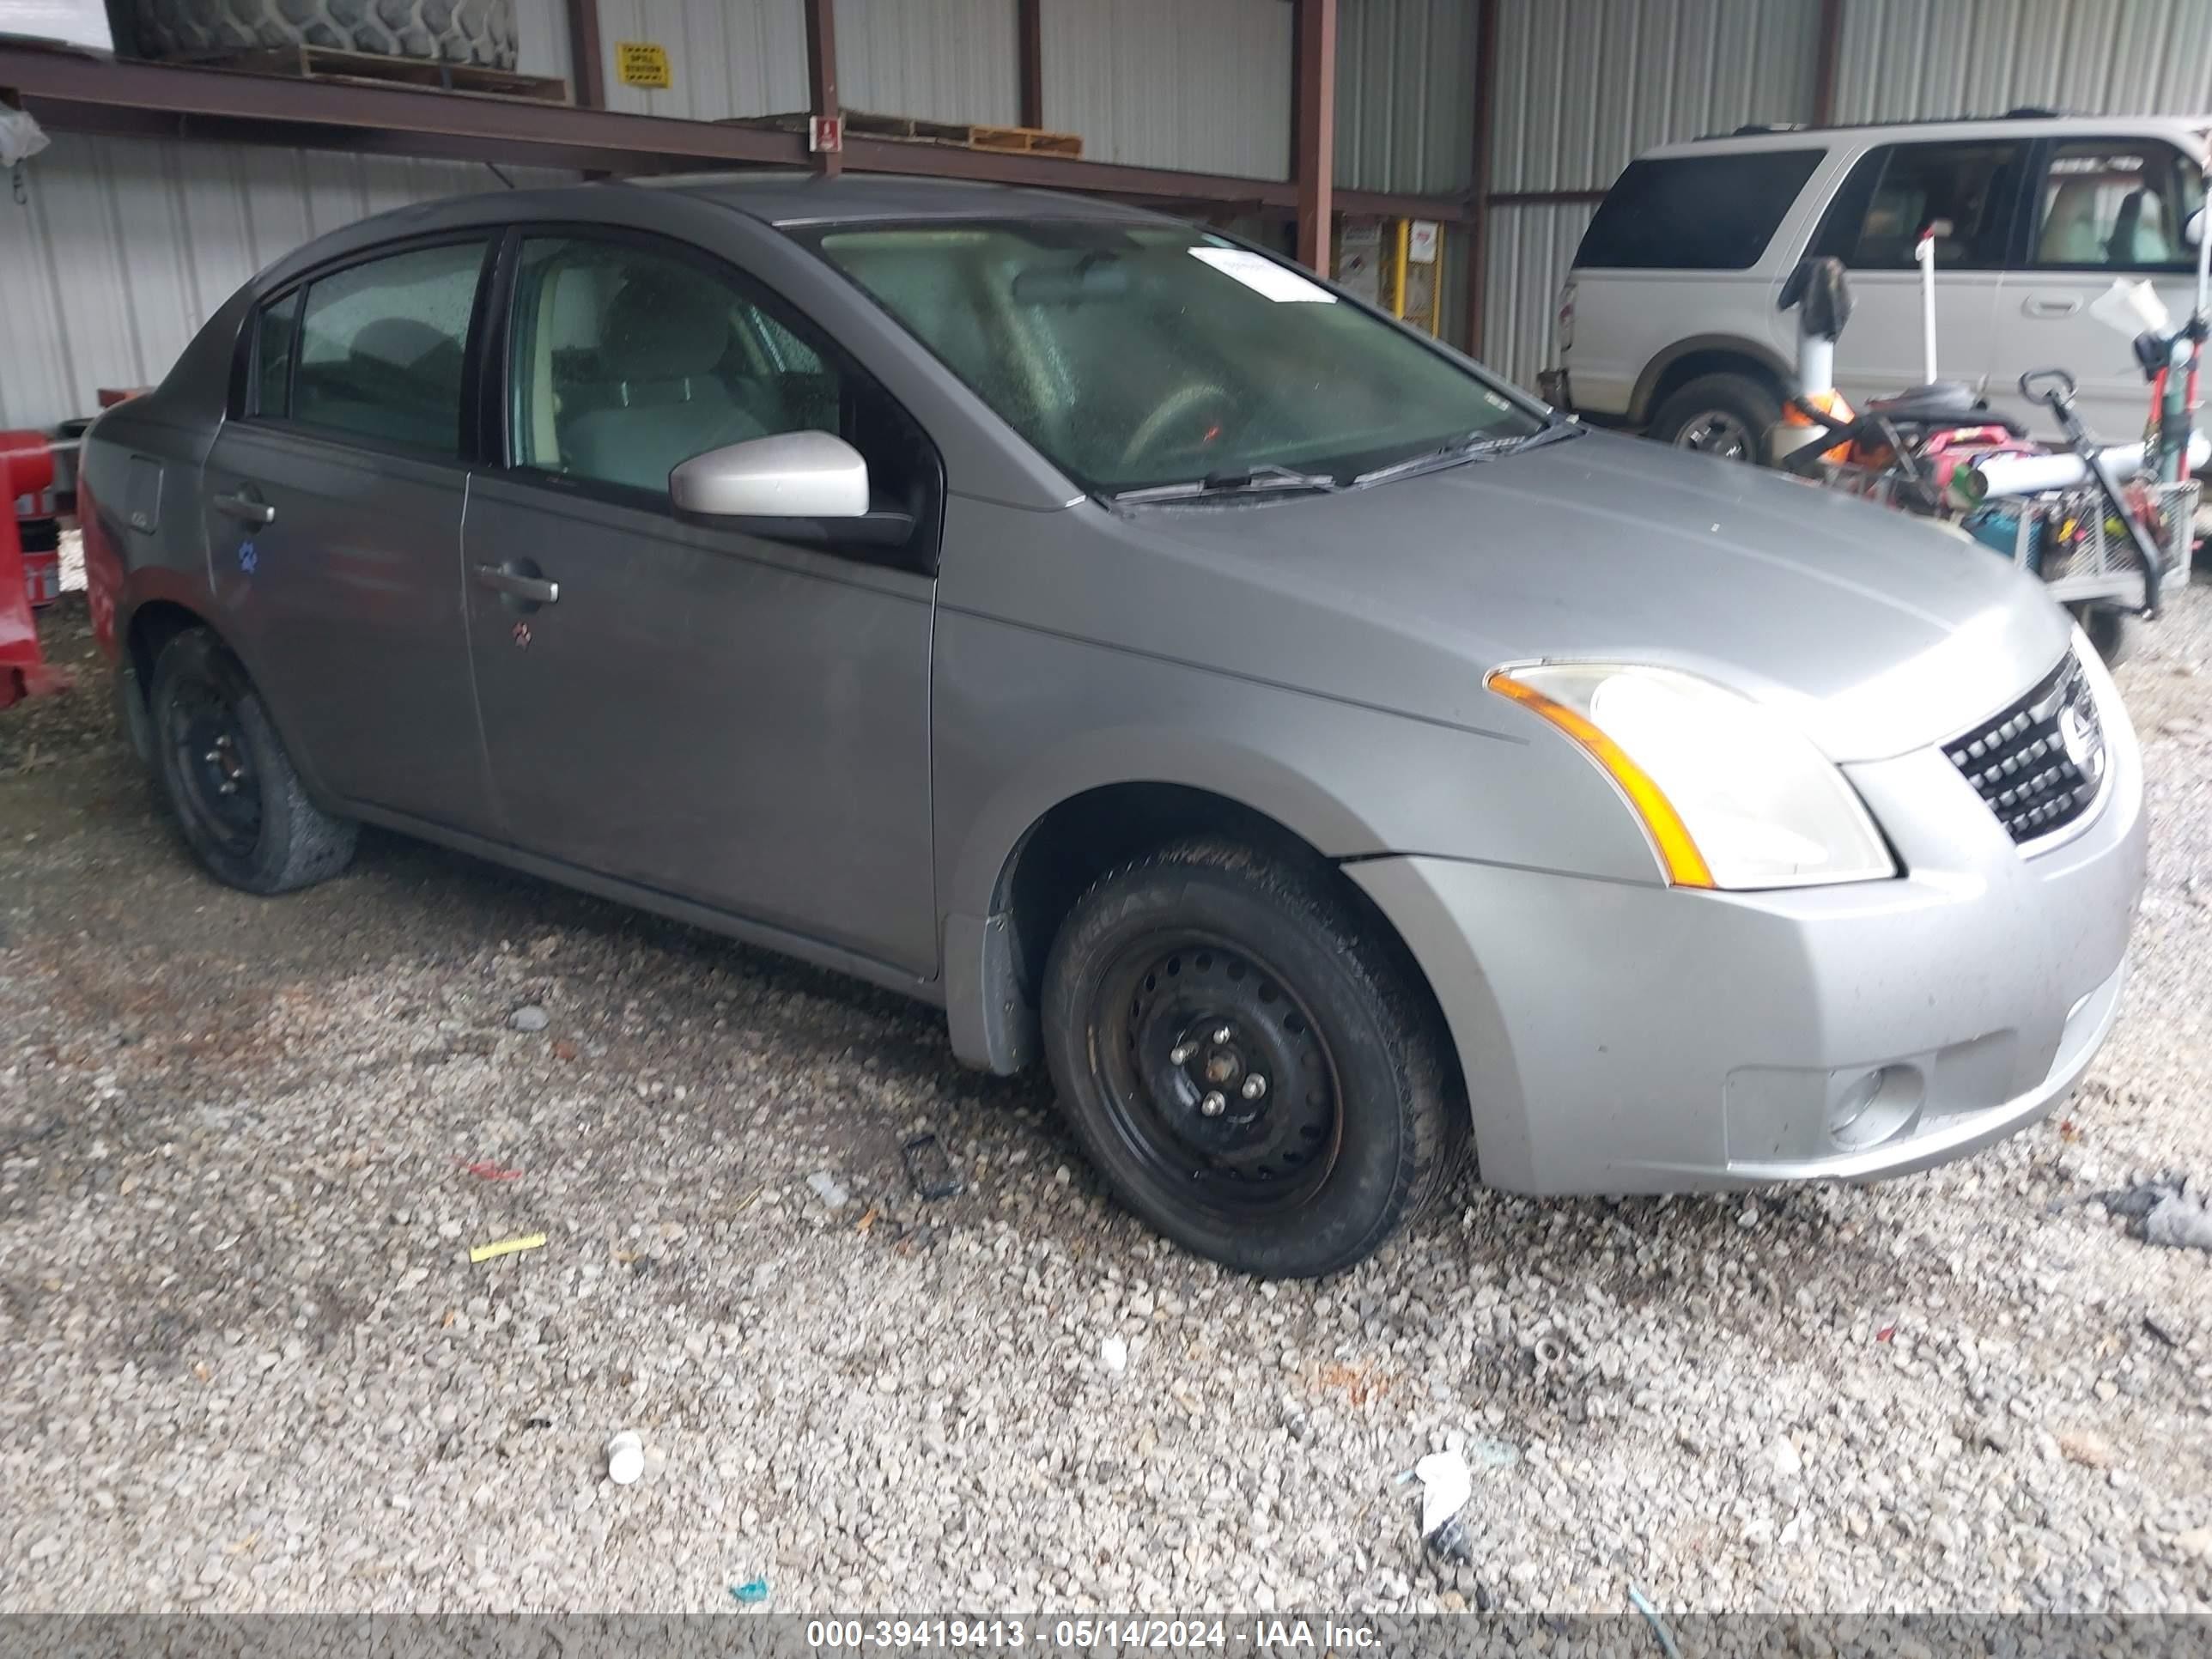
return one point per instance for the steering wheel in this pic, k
(1181, 405)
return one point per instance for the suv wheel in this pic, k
(1246, 1062)
(1727, 415)
(241, 805)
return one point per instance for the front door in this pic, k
(1969, 190)
(720, 717)
(2107, 209)
(333, 515)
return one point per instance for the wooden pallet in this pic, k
(913, 130)
(374, 68)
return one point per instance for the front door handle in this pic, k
(518, 584)
(2050, 305)
(246, 506)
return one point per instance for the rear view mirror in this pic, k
(807, 488)
(795, 475)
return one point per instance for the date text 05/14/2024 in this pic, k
(1080, 1635)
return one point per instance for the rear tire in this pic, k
(227, 779)
(1725, 416)
(1180, 978)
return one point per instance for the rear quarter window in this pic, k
(1695, 212)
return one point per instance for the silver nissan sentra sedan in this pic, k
(1327, 760)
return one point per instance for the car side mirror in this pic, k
(2193, 232)
(808, 487)
(793, 474)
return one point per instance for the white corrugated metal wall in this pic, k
(1904, 60)
(1168, 83)
(1406, 74)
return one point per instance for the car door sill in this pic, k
(743, 929)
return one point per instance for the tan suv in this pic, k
(1669, 323)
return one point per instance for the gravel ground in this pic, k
(244, 1363)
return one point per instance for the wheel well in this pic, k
(1717, 360)
(1088, 835)
(153, 625)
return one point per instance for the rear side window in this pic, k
(1968, 191)
(1696, 212)
(382, 347)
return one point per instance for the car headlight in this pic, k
(1731, 794)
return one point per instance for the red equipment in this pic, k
(27, 468)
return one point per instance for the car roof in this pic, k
(2024, 125)
(805, 199)
(782, 200)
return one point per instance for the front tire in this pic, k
(224, 772)
(1249, 1060)
(2108, 631)
(1725, 416)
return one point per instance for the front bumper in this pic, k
(1620, 1038)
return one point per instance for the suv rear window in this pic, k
(1695, 212)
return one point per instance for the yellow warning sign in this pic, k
(643, 63)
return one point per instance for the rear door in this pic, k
(333, 510)
(730, 719)
(1895, 191)
(2106, 209)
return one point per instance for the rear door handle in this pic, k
(517, 585)
(246, 506)
(2050, 305)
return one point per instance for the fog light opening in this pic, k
(1876, 1106)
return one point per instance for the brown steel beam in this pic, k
(393, 119)
(1029, 36)
(1315, 95)
(587, 63)
(68, 93)
(1826, 64)
(1485, 80)
(822, 73)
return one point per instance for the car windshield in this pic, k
(1138, 355)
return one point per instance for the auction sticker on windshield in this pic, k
(1263, 275)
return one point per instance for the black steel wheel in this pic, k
(1215, 1075)
(1247, 1060)
(239, 803)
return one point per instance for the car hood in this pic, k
(1876, 632)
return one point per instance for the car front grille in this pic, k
(2040, 763)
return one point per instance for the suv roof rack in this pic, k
(1755, 129)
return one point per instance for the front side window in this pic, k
(1695, 212)
(1134, 356)
(383, 346)
(627, 360)
(2111, 204)
(1966, 190)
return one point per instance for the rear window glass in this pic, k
(1696, 212)
(382, 344)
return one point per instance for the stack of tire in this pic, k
(479, 31)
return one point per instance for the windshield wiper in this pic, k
(1478, 446)
(1262, 477)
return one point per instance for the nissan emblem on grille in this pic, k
(2040, 763)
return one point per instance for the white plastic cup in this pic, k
(625, 1457)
